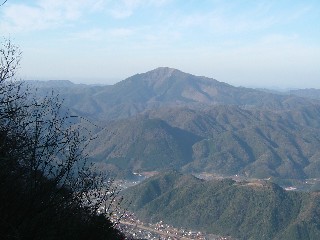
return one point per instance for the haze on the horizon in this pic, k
(263, 43)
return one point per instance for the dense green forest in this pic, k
(244, 210)
(225, 140)
(47, 191)
(166, 118)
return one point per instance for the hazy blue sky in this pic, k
(241, 42)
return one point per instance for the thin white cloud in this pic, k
(218, 23)
(224, 19)
(95, 34)
(99, 5)
(126, 8)
(44, 14)
(99, 34)
(121, 32)
(274, 39)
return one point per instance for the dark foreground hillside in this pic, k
(246, 210)
(36, 205)
(46, 189)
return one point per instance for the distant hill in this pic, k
(223, 139)
(307, 93)
(257, 210)
(51, 84)
(166, 118)
(142, 143)
(166, 87)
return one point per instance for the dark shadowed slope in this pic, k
(224, 139)
(141, 143)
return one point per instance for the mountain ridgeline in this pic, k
(166, 119)
(225, 140)
(163, 87)
(243, 210)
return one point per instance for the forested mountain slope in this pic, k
(166, 118)
(223, 139)
(164, 87)
(244, 210)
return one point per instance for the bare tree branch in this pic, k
(3, 3)
(43, 166)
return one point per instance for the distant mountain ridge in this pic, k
(307, 93)
(167, 87)
(226, 140)
(51, 83)
(166, 118)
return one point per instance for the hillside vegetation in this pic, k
(223, 139)
(47, 191)
(164, 87)
(166, 118)
(244, 210)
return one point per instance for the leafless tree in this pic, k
(41, 150)
(3, 3)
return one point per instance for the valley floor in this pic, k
(133, 227)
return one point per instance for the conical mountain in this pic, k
(163, 86)
(168, 118)
(168, 87)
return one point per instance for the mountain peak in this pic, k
(162, 72)
(157, 77)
